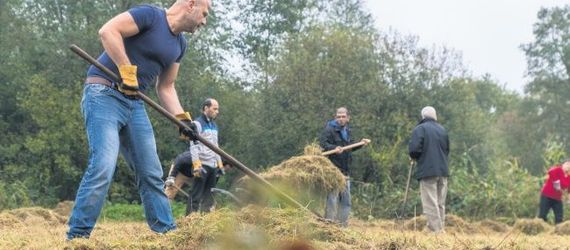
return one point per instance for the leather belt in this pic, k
(103, 81)
(99, 80)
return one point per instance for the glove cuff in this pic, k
(196, 164)
(184, 116)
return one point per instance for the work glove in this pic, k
(220, 171)
(197, 169)
(169, 181)
(187, 134)
(129, 84)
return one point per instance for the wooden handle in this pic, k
(330, 152)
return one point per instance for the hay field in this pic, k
(262, 225)
(255, 227)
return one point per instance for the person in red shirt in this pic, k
(551, 196)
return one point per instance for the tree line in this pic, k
(279, 70)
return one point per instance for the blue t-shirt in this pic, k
(154, 49)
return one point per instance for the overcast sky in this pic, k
(488, 33)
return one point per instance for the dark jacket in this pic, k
(429, 147)
(330, 138)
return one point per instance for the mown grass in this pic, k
(264, 228)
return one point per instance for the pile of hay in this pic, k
(531, 226)
(23, 217)
(313, 172)
(256, 227)
(64, 208)
(306, 178)
(9, 221)
(493, 226)
(562, 228)
(453, 223)
(312, 149)
(457, 224)
(417, 223)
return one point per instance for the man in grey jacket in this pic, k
(429, 147)
(201, 163)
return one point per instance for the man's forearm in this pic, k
(169, 98)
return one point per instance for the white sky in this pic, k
(487, 33)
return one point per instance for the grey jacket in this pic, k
(209, 131)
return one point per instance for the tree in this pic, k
(545, 111)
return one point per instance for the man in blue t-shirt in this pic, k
(144, 46)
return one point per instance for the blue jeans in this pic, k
(116, 123)
(338, 205)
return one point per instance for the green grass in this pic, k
(134, 212)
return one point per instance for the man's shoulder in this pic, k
(149, 7)
(145, 9)
(328, 128)
(555, 168)
(200, 119)
(430, 125)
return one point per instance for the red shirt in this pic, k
(555, 173)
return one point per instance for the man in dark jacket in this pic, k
(335, 136)
(429, 147)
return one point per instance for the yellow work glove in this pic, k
(130, 84)
(221, 170)
(197, 169)
(187, 134)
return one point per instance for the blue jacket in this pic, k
(332, 136)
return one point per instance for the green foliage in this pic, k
(553, 153)
(506, 190)
(134, 212)
(544, 111)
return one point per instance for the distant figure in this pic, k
(199, 162)
(336, 135)
(429, 147)
(551, 195)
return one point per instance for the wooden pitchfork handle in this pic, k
(234, 162)
(330, 152)
(407, 187)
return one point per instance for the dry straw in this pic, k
(33, 215)
(302, 176)
(562, 228)
(493, 226)
(531, 226)
(255, 227)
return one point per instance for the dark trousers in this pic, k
(201, 197)
(546, 204)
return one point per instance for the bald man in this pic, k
(143, 45)
(429, 147)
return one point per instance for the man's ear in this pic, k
(191, 4)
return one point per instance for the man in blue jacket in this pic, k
(335, 136)
(429, 147)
